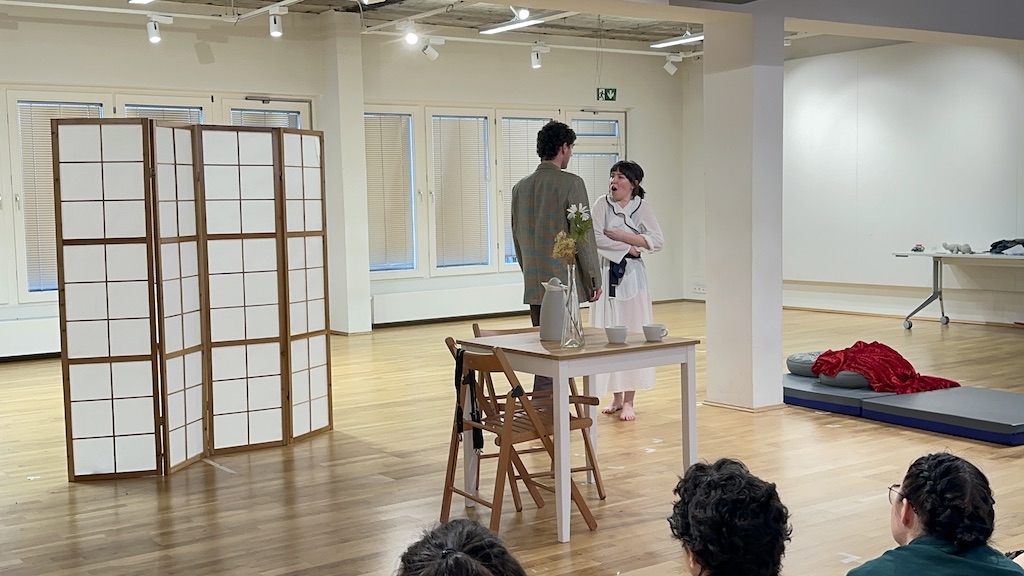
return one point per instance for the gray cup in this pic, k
(655, 332)
(616, 334)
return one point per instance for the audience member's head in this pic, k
(730, 522)
(946, 497)
(459, 548)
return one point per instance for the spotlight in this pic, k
(276, 29)
(520, 13)
(535, 53)
(430, 52)
(669, 66)
(153, 29)
(412, 38)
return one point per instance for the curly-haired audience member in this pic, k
(942, 518)
(730, 522)
(459, 548)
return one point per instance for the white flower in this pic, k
(572, 210)
(586, 216)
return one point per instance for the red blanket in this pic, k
(884, 368)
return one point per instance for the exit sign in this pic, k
(607, 94)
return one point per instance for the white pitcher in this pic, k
(552, 310)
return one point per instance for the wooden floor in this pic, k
(350, 501)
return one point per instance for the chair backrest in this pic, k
(485, 365)
(481, 332)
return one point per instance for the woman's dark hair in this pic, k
(633, 172)
(459, 548)
(551, 137)
(732, 521)
(952, 498)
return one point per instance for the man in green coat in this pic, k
(539, 212)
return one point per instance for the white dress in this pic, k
(631, 305)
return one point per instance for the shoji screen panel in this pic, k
(107, 308)
(306, 256)
(244, 275)
(179, 295)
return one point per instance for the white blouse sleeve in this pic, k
(651, 230)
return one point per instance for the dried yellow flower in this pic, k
(565, 248)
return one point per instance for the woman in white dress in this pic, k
(625, 228)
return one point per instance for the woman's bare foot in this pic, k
(611, 409)
(627, 413)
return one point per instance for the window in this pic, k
(460, 186)
(390, 191)
(518, 159)
(594, 169)
(266, 118)
(40, 230)
(600, 143)
(182, 114)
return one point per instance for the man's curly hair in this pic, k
(551, 137)
(732, 521)
(952, 498)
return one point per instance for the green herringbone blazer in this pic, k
(539, 204)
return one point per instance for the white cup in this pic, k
(655, 332)
(616, 334)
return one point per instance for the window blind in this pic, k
(518, 159)
(266, 118)
(461, 204)
(594, 169)
(596, 128)
(390, 191)
(182, 114)
(37, 186)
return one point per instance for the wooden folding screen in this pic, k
(182, 310)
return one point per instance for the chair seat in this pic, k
(523, 429)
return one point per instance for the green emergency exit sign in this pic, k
(607, 94)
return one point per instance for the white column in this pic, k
(340, 116)
(743, 76)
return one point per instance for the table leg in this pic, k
(592, 414)
(563, 465)
(935, 295)
(688, 400)
(470, 467)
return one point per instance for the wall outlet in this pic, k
(699, 289)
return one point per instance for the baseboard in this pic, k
(771, 408)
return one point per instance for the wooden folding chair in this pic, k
(581, 410)
(517, 421)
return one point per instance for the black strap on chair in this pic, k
(469, 379)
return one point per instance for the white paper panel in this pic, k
(194, 434)
(256, 148)
(186, 218)
(318, 350)
(314, 251)
(175, 374)
(125, 219)
(166, 182)
(183, 146)
(229, 362)
(258, 216)
(94, 456)
(194, 369)
(132, 379)
(257, 182)
(133, 416)
(82, 220)
(79, 143)
(84, 264)
(169, 261)
(87, 339)
(230, 396)
(293, 150)
(260, 288)
(310, 150)
(124, 181)
(295, 216)
(264, 359)
(293, 183)
(189, 259)
(311, 183)
(296, 253)
(121, 143)
(186, 182)
(177, 446)
(193, 404)
(230, 430)
(297, 316)
(318, 381)
(92, 418)
(300, 419)
(85, 301)
(127, 262)
(89, 381)
(224, 256)
(172, 297)
(259, 254)
(315, 283)
(300, 354)
(192, 329)
(320, 413)
(300, 386)
(315, 316)
(81, 181)
(314, 218)
(176, 409)
(135, 453)
(220, 147)
(227, 324)
(128, 299)
(226, 290)
(297, 286)
(223, 217)
(173, 338)
(222, 183)
(168, 219)
(262, 322)
(265, 426)
(264, 392)
(129, 337)
(164, 144)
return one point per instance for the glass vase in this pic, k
(572, 324)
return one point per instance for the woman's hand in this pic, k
(633, 251)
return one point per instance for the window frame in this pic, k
(104, 99)
(211, 113)
(304, 109)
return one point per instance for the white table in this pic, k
(940, 258)
(526, 353)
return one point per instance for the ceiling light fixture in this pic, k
(520, 13)
(530, 20)
(669, 66)
(153, 29)
(275, 26)
(535, 53)
(430, 52)
(684, 39)
(411, 38)
(139, 1)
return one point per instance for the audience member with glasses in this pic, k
(942, 518)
